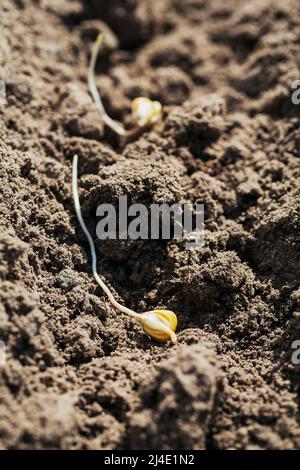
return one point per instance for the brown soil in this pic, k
(78, 374)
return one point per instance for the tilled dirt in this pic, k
(78, 374)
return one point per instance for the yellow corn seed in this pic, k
(146, 111)
(160, 325)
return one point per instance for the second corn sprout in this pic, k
(145, 112)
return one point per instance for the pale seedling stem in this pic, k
(94, 91)
(103, 286)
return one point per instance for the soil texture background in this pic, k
(79, 375)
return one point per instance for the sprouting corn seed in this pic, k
(145, 111)
(160, 325)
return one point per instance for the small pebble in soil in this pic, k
(67, 279)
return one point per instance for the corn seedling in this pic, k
(158, 324)
(145, 112)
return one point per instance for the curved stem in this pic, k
(101, 283)
(91, 74)
(117, 128)
(94, 91)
